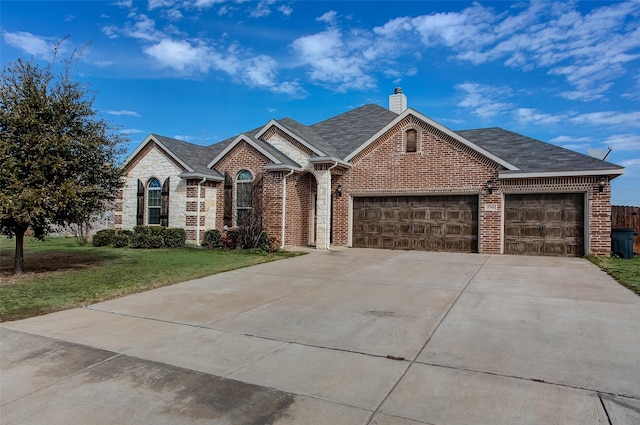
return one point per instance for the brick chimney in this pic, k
(398, 101)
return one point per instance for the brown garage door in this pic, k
(427, 223)
(544, 224)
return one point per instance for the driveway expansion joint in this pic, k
(435, 329)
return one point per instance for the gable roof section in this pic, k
(295, 130)
(534, 157)
(436, 125)
(344, 133)
(270, 152)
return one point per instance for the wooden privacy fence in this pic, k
(623, 216)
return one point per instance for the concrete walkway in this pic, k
(345, 337)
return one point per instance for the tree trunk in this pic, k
(18, 263)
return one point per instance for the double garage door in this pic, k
(427, 223)
(534, 224)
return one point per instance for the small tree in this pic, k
(57, 157)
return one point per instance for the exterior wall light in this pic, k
(491, 184)
(339, 190)
(602, 183)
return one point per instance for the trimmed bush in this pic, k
(103, 237)
(155, 241)
(212, 238)
(122, 239)
(174, 238)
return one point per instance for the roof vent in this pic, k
(398, 101)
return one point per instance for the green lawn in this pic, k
(60, 274)
(627, 272)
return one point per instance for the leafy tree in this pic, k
(57, 157)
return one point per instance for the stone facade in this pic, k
(151, 163)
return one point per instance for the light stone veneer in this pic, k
(155, 164)
(291, 151)
(322, 208)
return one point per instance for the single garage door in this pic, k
(427, 223)
(544, 224)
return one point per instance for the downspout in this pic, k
(335, 164)
(198, 214)
(284, 206)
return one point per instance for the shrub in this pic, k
(212, 238)
(174, 238)
(122, 239)
(155, 241)
(267, 244)
(103, 237)
(230, 239)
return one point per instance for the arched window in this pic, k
(244, 195)
(412, 140)
(154, 201)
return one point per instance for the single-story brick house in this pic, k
(381, 178)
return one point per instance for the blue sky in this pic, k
(564, 72)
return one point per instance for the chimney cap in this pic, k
(397, 90)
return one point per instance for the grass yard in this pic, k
(60, 274)
(627, 272)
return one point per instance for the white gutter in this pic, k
(284, 205)
(330, 207)
(198, 215)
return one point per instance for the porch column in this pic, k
(323, 208)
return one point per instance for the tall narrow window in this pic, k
(412, 140)
(244, 195)
(154, 201)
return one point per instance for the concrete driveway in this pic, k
(345, 337)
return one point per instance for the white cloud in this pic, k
(589, 51)
(285, 10)
(334, 63)
(38, 46)
(329, 17)
(631, 163)
(606, 118)
(203, 4)
(623, 142)
(130, 131)
(534, 117)
(483, 100)
(124, 112)
(173, 14)
(262, 9)
(570, 139)
(154, 4)
(179, 55)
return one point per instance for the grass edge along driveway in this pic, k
(61, 275)
(625, 271)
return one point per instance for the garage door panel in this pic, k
(432, 223)
(544, 224)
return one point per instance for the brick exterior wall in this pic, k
(242, 157)
(440, 165)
